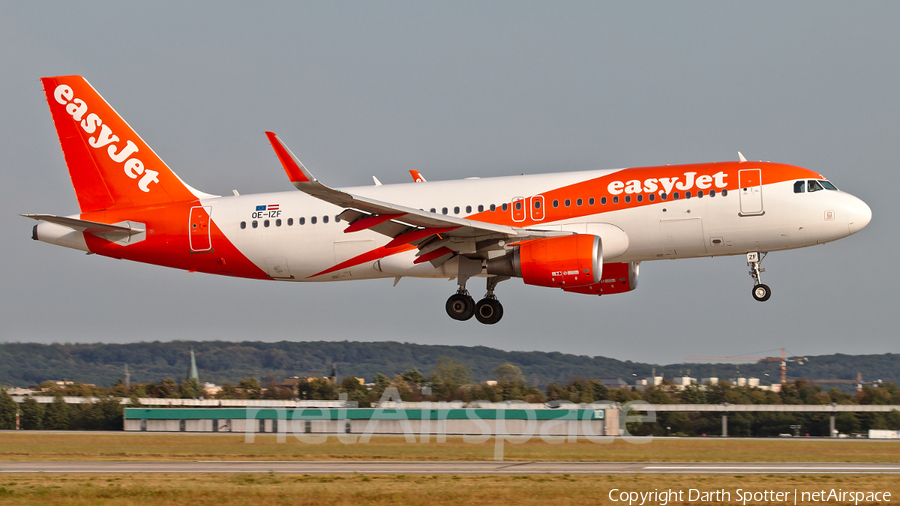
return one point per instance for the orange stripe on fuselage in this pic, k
(598, 188)
(375, 254)
(167, 242)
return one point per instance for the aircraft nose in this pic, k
(860, 216)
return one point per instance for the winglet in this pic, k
(295, 170)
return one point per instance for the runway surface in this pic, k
(464, 467)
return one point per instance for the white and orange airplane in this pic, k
(584, 232)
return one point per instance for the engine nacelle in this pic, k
(617, 278)
(567, 261)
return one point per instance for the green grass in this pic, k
(21, 446)
(257, 489)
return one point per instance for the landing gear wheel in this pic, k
(762, 292)
(488, 311)
(460, 306)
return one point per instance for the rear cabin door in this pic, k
(751, 192)
(199, 229)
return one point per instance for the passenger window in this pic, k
(724, 192)
(537, 204)
(493, 208)
(591, 201)
(505, 207)
(687, 195)
(640, 198)
(663, 196)
(579, 202)
(568, 202)
(675, 196)
(337, 219)
(444, 210)
(302, 221)
(603, 201)
(555, 203)
(700, 194)
(278, 222)
(652, 197)
(615, 200)
(814, 186)
(468, 209)
(456, 210)
(800, 187)
(243, 225)
(290, 221)
(480, 208)
(519, 205)
(712, 193)
(325, 219)
(627, 199)
(433, 210)
(255, 224)
(312, 220)
(266, 223)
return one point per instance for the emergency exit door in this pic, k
(751, 192)
(199, 229)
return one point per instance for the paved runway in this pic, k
(462, 467)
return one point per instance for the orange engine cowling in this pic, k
(617, 278)
(567, 261)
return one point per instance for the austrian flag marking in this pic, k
(267, 211)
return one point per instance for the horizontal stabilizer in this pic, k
(91, 227)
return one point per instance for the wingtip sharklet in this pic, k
(295, 170)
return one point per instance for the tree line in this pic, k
(452, 381)
(23, 364)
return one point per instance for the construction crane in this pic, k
(783, 360)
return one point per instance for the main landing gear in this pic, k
(761, 292)
(461, 306)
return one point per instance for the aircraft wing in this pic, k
(405, 224)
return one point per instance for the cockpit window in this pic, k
(814, 186)
(800, 187)
(828, 185)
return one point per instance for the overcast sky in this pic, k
(454, 90)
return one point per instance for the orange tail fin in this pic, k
(110, 166)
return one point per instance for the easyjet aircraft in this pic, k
(584, 232)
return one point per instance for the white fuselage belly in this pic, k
(685, 228)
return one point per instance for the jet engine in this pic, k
(557, 262)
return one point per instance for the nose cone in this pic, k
(860, 216)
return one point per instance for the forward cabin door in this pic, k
(199, 229)
(751, 192)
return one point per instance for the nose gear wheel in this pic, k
(760, 292)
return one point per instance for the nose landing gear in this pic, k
(760, 292)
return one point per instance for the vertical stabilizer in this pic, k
(110, 165)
